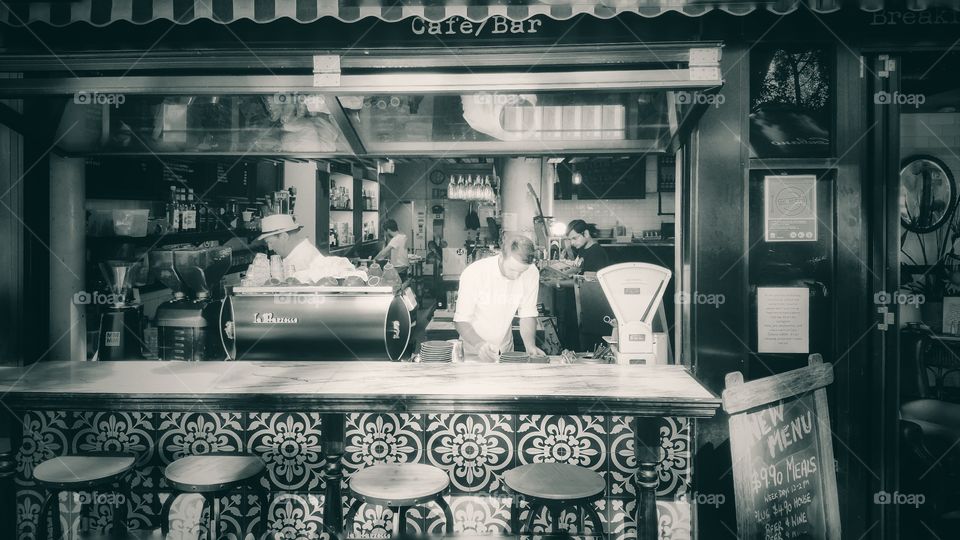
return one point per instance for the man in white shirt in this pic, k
(492, 292)
(281, 234)
(396, 248)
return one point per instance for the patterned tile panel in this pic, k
(475, 449)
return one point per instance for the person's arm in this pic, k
(384, 253)
(527, 312)
(468, 334)
(528, 332)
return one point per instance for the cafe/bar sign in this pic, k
(783, 469)
(458, 26)
(790, 208)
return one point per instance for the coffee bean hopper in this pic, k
(186, 325)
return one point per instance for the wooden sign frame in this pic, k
(740, 399)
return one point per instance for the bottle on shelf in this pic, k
(333, 237)
(172, 209)
(181, 210)
(190, 216)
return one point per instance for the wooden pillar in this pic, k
(68, 329)
(11, 238)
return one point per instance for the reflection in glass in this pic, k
(483, 117)
(276, 123)
(927, 194)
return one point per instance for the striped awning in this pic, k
(104, 12)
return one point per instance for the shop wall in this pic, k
(635, 214)
(303, 176)
(11, 234)
(411, 183)
(716, 226)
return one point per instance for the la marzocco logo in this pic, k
(270, 318)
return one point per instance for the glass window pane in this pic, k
(542, 122)
(276, 123)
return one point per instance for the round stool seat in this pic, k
(70, 472)
(400, 484)
(555, 482)
(211, 473)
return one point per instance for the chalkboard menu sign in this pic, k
(784, 473)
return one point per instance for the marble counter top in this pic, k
(359, 386)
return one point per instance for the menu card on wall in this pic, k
(783, 320)
(784, 473)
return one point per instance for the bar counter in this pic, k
(315, 421)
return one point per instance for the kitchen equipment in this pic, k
(121, 319)
(302, 322)
(186, 325)
(635, 293)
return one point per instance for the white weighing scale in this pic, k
(635, 293)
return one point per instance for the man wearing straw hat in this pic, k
(281, 234)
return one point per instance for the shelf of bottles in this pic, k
(341, 210)
(370, 217)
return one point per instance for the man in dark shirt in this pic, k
(585, 247)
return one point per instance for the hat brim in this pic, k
(271, 233)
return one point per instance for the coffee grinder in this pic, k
(187, 325)
(121, 319)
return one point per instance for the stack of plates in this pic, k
(436, 351)
(514, 358)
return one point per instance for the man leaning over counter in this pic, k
(493, 291)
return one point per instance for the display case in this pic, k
(350, 213)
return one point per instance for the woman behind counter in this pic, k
(584, 247)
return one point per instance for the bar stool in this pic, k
(213, 476)
(78, 473)
(554, 486)
(399, 486)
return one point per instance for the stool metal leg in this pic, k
(264, 526)
(42, 529)
(399, 521)
(55, 516)
(350, 517)
(515, 514)
(555, 517)
(595, 518)
(165, 514)
(213, 501)
(447, 514)
(528, 527)
(120, 510)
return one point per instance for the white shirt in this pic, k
(398, 251)
(302, 255)
(488, 300)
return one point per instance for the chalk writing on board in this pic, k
(784, 469)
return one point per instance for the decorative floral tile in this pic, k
(382, 438)
(673, 519)
(188, 434)
(375, 521)
(290, 445)
(28, 513)
(98, 514)
(472, 514)
(46, 434)
(475, 449)
(129, 432)
(189, 518)
(296, 516)
(577, 440)
(673, 469)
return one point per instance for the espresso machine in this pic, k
(306, 322)
(187, 325)
(121, 319)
